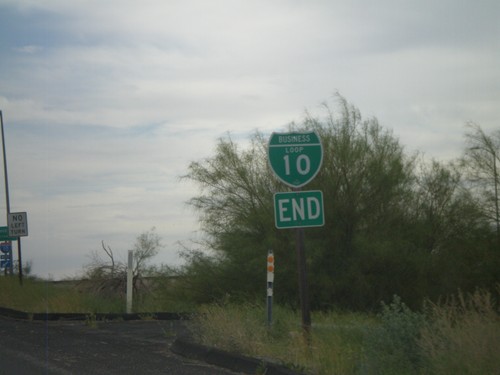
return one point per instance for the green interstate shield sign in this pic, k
(299, 209)
(295, 157)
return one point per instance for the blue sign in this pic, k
(5, 247)
(4, 261)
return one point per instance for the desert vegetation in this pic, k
(404, 276)
(460, 334)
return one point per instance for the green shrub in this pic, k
(393, 346)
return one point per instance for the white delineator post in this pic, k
(130, 278)
(270, 282)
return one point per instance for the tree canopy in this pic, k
(394, 223)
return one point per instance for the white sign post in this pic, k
(130, 279)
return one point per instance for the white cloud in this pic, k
(29, 49)
(107, 102)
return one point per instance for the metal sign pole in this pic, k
(10, 269)
(20, 268)
(130, 279)
(295, 158)
(7, 201)
(303, 288)
(6, 178)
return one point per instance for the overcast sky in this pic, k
(105, 103)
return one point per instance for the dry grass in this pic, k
(335, 345)
(42, 296)
(460, 336)
(463, 335)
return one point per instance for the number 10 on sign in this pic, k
(295, 157)
(303, 164)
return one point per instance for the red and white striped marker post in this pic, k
(270, 282)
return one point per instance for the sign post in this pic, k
(18, 227)
(296, 158)
(130, 279)
(6, 180)
(305, 306)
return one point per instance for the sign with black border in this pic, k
(18, 224)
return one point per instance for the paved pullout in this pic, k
(79, 347)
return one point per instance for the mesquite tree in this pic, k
(393, 224)
(108, 274)
(482, 162)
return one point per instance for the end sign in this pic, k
(299, 209)
(18, 224)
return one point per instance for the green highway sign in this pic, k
(4, 235)
(299, 209)
(295, 157)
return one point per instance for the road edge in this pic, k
(231, 361)
(181, 345)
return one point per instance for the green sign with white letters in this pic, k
(299, 209)
(295, 157)
(4, 235)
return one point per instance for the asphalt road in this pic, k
(116, 347)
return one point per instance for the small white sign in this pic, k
(18, 224)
